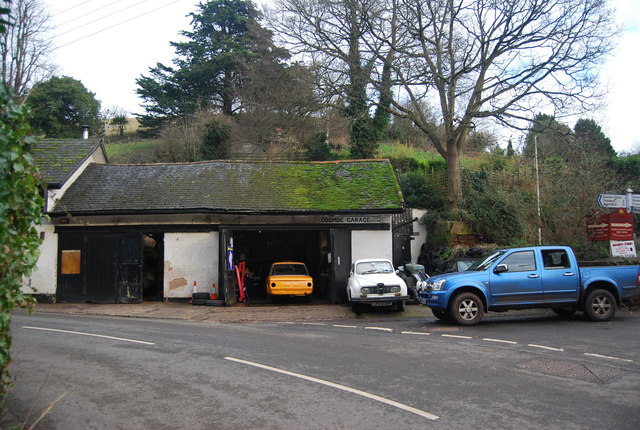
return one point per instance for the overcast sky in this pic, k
(107, 44)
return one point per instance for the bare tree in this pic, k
(24, 48)
(501, 59)
(336, 39)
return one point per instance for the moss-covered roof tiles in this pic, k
(57, 159)
(233, 186)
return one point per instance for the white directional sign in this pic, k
(612, 200)
(635, 201)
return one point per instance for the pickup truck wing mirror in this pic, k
(501, 268)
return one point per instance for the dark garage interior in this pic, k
(260, 248)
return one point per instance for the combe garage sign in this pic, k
(351, 219)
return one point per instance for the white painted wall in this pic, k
(190, 257)
(44, 276)
(421, 229)
(371, 244)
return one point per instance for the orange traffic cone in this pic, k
(214, 294)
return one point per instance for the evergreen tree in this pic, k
(62, 106)
(208, 72)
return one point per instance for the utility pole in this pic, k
(535, 147)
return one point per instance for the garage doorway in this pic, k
(96, 266)
(260, 248)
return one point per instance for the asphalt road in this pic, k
(526, 372)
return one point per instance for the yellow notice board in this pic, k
(70, 264)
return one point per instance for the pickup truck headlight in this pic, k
(437, 285)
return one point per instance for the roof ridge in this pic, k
(202, 162)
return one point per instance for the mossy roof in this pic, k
(363, 186)
(57, 159)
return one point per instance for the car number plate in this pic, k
(381, 304)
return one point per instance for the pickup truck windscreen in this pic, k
(485, 263)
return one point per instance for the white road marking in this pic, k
(510, 342)
(550, 348)
(345, 326)
(340, 387)
(457, 336)
(415, 332)
(89, 334)
(379, 328)
(610, 358)
(312, 323)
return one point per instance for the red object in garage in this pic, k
(240, 269)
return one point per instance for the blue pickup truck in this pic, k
(522, 278)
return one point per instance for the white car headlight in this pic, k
(437, 285)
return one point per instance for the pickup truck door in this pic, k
(520, 283)
(561, 281)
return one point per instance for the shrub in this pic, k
(20, 209)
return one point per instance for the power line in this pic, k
(101, 18)
(117, 24)
(72, 7)
(88, 13)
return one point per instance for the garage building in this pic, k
(127, 233)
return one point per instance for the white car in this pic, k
(373, 282)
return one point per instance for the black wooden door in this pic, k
(130, 269)
(340, 264)
(101, 268)
(70, 287)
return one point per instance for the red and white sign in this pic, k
(625, 249)
(614, 226)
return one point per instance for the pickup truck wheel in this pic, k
(400, 306)
(466, 309)
(441, 315)
(564, 312)
(600, 305)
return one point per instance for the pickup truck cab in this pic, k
(522, 278)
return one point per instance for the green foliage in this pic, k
(317, 147)
(629, 168)
(61, 106)
(211, 67)
(590, 138)
(492, 218)
(420, 191)
(20, 209)
(215, 141)
(120, 120)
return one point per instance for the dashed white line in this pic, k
(608, 357)
(312, 323)
(550, 348)
(89, 334)
(345, 326)
(340, 387)
(419, 333)
(457, 336)
(379, 328)
(510, 342)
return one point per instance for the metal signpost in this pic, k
(628, 201)
(619, 226)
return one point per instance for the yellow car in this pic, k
(289, 278)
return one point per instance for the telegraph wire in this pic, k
(72, 7)
(88, 13)
(101, 18)
(115, 25)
